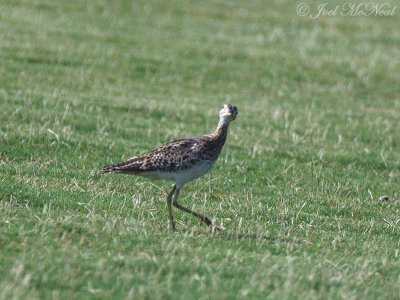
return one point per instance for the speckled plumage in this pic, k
(181, 160)
(174, 157)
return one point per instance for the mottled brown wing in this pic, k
(175, 155)
(172, 156)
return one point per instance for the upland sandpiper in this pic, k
(180, 161)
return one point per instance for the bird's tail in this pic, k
(130, 166)
(109, 169)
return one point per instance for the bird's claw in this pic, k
(216, 229)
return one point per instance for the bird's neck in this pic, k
(217, 138)
(220, 133)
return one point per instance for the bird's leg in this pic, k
(169, 201)
(203, 218)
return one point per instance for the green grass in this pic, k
(316, 142)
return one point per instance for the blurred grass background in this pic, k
(316, 142)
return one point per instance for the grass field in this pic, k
(316, 142)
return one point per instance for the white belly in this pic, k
(183, 176)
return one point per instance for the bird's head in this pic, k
(228, 113)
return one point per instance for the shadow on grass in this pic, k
(262, 237)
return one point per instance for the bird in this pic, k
(181, 161)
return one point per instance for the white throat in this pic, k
(223, 120)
